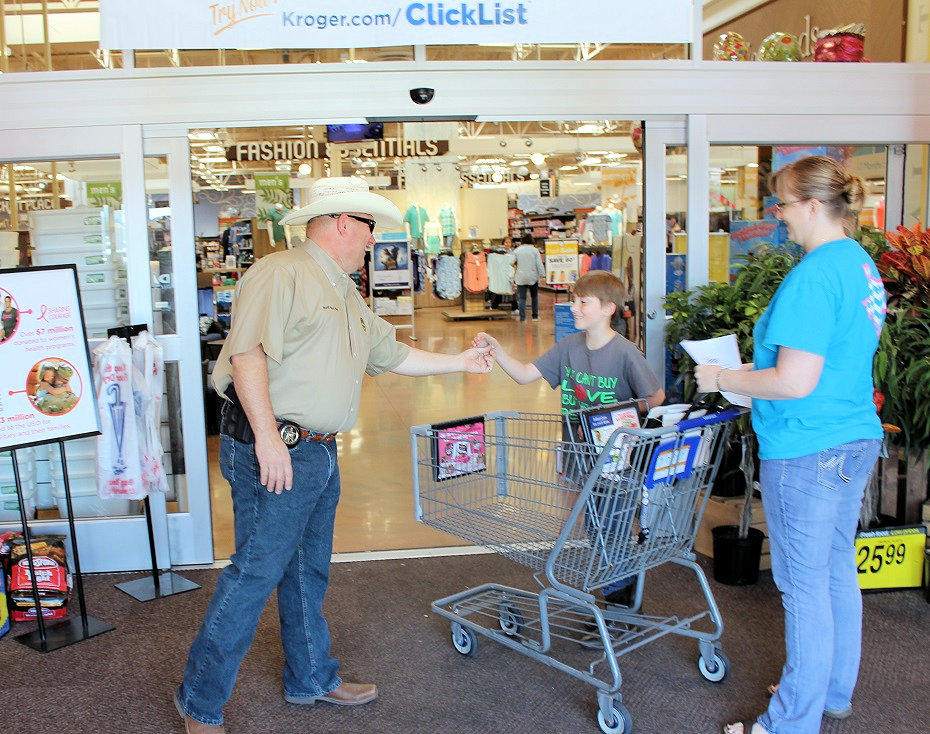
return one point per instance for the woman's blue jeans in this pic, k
(284, 542)
(812, 507)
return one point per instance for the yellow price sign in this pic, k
(891, 558)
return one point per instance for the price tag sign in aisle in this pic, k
(891, 558)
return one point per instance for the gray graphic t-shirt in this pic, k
(616, 372)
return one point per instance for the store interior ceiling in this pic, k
(577, 152)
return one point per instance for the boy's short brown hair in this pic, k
(607, 288)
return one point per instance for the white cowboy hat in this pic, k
(345, 194)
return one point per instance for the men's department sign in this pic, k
(189, 24)
(46, 386)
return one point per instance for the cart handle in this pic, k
(709, 419)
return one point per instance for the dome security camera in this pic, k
(422, 95)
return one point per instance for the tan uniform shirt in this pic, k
(318, 333)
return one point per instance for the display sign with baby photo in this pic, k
(46, 387)
(458, 448)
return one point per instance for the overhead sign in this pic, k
(48, 389)
(244, 24)
(297, 150)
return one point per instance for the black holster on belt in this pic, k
(233, 420)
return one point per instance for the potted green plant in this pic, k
(714, 310)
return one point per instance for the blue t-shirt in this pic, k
(832, 304)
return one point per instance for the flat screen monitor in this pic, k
(354, 133)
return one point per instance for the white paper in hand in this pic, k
(722, 350)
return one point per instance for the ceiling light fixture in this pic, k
(304, 169)
(538, 158)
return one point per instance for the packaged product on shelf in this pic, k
(51, 575)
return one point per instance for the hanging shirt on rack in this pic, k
(447, 220)
(416, 217)
(584, 263)
(616, 221)
(448, 277)
(599, 227)
(476, 272)
(432, 237)
(500, 272)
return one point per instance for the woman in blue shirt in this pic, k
(819, 438)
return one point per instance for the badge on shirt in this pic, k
(362, 322)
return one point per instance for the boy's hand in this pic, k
(483, 340)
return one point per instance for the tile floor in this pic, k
(376, 509)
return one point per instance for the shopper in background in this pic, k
(585, 362)
(500, 272)
(819, 438)
(529, 272)
(301, 340)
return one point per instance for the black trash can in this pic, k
(736, 560)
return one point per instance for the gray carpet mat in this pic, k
(383, 631)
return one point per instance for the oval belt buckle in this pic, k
(290, 433)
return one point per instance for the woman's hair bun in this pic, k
(854, 192)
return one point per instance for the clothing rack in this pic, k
(473, 304)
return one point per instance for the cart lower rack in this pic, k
(583, 518)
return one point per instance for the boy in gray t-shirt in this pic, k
(594, 367)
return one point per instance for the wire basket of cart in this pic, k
(582, 517)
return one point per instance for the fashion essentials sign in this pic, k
(46, 387)
(143, 24)
(287, 150)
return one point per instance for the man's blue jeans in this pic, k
(812, 506)
(283, 541)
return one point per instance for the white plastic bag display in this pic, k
(119, 469)
(149, 361)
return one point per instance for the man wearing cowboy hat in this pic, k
(291, 369)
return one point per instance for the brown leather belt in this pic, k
(304, 434)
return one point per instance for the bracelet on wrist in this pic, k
(717, 380)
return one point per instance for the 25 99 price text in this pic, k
(870, 559)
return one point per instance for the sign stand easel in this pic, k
(48, 319)
(160, 583)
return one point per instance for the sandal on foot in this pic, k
(738, 728)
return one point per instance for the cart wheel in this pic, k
(510, 620)
(622, 721)
(717, 669)
(464, 640)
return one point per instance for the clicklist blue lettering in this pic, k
(466, 14)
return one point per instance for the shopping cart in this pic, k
(522, 485)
